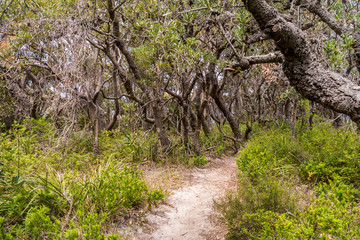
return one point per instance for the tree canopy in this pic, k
(178, 66)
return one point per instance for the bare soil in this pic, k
(188, 212)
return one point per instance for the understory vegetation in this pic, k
(297, 188)
(56, 188)
(302, 186)
(49, 191)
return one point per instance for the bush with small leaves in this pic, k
(271, 202)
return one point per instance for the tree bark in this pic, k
(111, 124)
(288, 111)
(147, 91)
(302, 68)
(214, 93)
(160, 128)
(200, 105)
(185, 125)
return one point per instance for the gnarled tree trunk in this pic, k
(214, 93)
(301, 66)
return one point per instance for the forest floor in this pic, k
(188, 211)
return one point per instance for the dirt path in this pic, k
(188, 212)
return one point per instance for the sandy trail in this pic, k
(188, 212)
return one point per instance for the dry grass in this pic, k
(167, 178)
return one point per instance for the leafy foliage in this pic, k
(39, 201)
(273, 203)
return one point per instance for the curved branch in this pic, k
(301, 66)
(247, 62)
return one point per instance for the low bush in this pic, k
(51, 194)
(39, 208)
(134, 147)
(332, 154)
(332, 213)
(112, 190)
(271, 202)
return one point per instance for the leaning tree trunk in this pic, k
(121, 45)
(301, 66)
(228, 115)
(214, 93)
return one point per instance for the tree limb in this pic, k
(301, 66)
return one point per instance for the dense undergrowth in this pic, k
(52, 187)
(302, 188)
(55, 190)
(289, 188)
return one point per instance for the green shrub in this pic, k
(195, 160)
(332, 154)
(20, 195)
(42, 189)
(132, 147)
(216, 140)
(271, 153)
(332, 213)
(39, 224)
(269, 203)
(200, 160)
(262, 225)
(329, 215)
(98, 198)
(264, 198)
(319, 154)
(80, 142)
(112, 190)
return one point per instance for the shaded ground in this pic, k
(188, 213)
